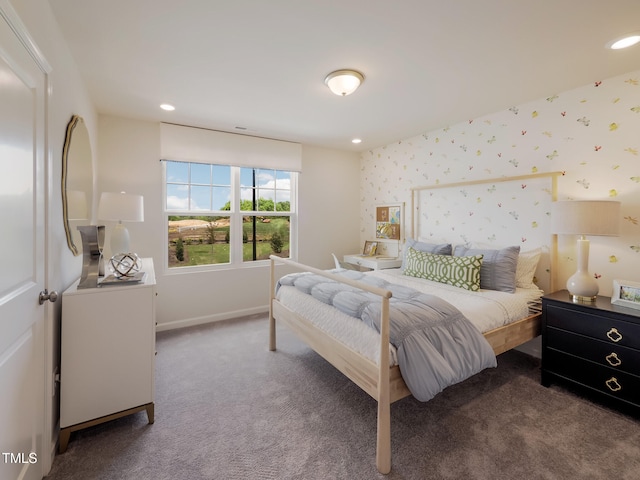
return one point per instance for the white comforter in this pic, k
(487, 310)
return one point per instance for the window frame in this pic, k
(235, 222)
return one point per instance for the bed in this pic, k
(373, 367)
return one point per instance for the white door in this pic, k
(22, 243)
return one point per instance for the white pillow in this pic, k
(526, 268)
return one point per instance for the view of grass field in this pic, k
(204, 240)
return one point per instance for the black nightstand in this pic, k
(594, 346)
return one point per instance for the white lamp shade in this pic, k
(586, 217)
(344, 82)
(121, 207)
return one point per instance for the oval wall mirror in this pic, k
(77, 182)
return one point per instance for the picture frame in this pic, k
(369, 249)
(389, 221)
(626, 294)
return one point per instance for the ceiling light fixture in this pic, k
(167, 107)
(356, 140)
(624, 42)
(344, 82)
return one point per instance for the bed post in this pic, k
(414, 217)
(553, 260)
(383, 441)
(272, 294)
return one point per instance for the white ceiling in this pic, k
(260, 64)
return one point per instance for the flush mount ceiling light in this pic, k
(624, 42)
(167, 107)
(344, 82)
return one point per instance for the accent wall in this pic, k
(590, 134)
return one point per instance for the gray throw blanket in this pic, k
(436, 344)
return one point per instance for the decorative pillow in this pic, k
(438, 249)
(498, 270)
(462, 272)
(526, 268)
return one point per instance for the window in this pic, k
(222, 214)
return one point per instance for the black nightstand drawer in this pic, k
(595, 346)
(614, 383)
(611, 330)
(603, 352)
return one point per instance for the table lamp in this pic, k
(120, 207)
(585, 218)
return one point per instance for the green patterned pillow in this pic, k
(463, 272)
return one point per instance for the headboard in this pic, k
(491, 213)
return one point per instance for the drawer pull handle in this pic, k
(614, 335)
(613, 359)
(613, 384)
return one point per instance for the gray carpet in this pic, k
(227, 408)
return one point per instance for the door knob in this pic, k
(45, 295)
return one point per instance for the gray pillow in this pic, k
(437, 249)
(498, 270)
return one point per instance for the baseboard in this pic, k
(190, 322)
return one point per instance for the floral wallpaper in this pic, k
(591, 135)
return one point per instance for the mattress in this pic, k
(486, 310)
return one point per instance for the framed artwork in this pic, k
(389, 222)
(369, 249)
(626, 294)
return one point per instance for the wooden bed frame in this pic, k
(384, 383)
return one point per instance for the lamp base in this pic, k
(583, 299)
(119, 239)
(582, 287)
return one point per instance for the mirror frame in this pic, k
(71, 126)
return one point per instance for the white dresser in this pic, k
(108, 342)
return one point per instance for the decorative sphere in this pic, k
(125, 265)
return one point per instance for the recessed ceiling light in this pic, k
(167, 107)
(624, 42)
(356, 140)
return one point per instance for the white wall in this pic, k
(129, 152)
(329, 205)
